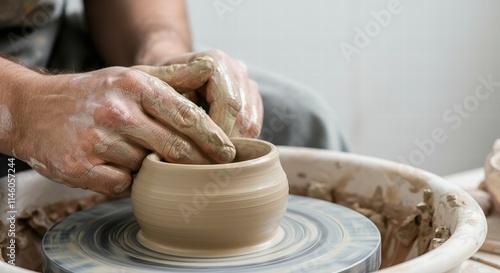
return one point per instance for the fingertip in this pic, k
(206, 62)
(107, 179)
(227, 154)
(176, 149)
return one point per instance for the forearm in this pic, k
(130, 32)
(14, 83)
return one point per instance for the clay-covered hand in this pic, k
(92, 130)
(233, 98)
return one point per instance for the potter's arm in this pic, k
(156, 32)
(129, 32)
(92, 130)
(14, 79)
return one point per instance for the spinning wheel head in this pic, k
(313, 236)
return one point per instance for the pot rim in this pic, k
(155, 160)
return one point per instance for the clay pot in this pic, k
(212, 210)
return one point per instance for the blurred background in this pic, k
(407, 79)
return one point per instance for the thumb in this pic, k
(182, 77)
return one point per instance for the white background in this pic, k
(396, 90)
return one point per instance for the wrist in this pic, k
(16, 83)
(156, 48)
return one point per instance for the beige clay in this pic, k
(319, 190)
(441, 235)
(212, 210)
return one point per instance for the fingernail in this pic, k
(207, 62)
(119, 188)
(228, 153)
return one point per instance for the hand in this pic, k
(233, 99)
(92, 130)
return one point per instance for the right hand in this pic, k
(92, 130)
(234, 101)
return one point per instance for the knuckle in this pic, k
(178, 150)
(73, 168)
(113, 70)
(116, 112)
(130, 83)
(187, 114)
(116, 109)
(116, 76)
(129, 75)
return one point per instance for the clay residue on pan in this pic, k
(417, 227)
(372, 211)
(402, 228)
(298, 190)
(34, 221)
(343, 182)
(454, 202)
(377, 218)
(319, 190)
(385, 215)
(441, 235)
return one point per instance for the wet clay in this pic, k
(418, 225)
(238, 205)
(403, 228)
(33, 222)
(386, 216)
(319, 190)
(441, 235)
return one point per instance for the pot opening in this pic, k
(248, 149)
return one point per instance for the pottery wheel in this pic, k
(316, 236)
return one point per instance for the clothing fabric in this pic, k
(28, 29)
(294, 114)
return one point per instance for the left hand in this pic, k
(233, 98)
